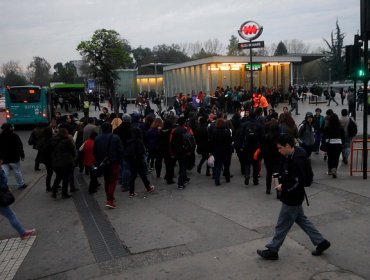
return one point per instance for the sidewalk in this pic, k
(202, 232)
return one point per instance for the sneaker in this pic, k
(268, 254)
(180, 187)
(110, 205)
(133, 195)
(246, 181)
(28, 233)
(324, 245)
(151, 189)
(23, 186)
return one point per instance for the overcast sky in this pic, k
(52, 29)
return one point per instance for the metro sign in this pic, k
(250, 30)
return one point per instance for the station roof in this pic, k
(293, 58)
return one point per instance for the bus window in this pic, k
(24, 95)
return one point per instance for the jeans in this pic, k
(16, 166)
(183, 165)
(110, 181)
(287, 217)
(222, 160)
(294, 107)
(8, 213)
(138, 167)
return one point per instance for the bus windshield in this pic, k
(24, 95)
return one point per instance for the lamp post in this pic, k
(329, 78)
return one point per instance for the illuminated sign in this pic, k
(225, 67)
(249, 45)
(31, 91)
(250, 30)
(255, 67)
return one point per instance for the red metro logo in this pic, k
(250, 30)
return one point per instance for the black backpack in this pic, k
(352, 128)
(250, 141)
(188, 142)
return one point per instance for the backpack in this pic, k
(250, 141)
(188, 142)
(352, 128)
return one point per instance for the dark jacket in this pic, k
(292, 174)
(201, 138)
(63, 151)
(221, 141)
(11, 147)
(115, 153)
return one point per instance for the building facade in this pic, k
(208, 73)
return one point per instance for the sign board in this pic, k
(91, 84)
(250, 45)
(255, 67)
(250, 30)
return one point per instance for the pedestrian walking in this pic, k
(332, 97)
(291, 179)
(108, 145)
(333, 139)
(11, 149)
(7, 212)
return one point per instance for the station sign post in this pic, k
(250, 30)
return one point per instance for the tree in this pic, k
(105, 53)
(233, 48)
(13, 75)
(296, 46)
(315, 71)
(172, 53)
(66, 73)
(281, 49)
(335, 58)
(39, 70)
(143, 56)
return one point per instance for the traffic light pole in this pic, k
(365, 102)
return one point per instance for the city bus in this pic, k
(27, 105)
(67, 97)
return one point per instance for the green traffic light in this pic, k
(361, 73)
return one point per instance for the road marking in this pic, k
(12, 253)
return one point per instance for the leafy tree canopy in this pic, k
(39, 71)
(66, 73)
(105, 52)
(13, 75)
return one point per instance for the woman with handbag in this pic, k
(333, 140)
(6, 199)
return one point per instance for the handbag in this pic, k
(211, 161)
(324, 146)
(102, 167)
(6, 198)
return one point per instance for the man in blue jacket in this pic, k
(291, 179)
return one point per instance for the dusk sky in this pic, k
(53, 29)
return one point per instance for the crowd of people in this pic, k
(146, 141)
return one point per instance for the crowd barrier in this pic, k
(356, 159)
